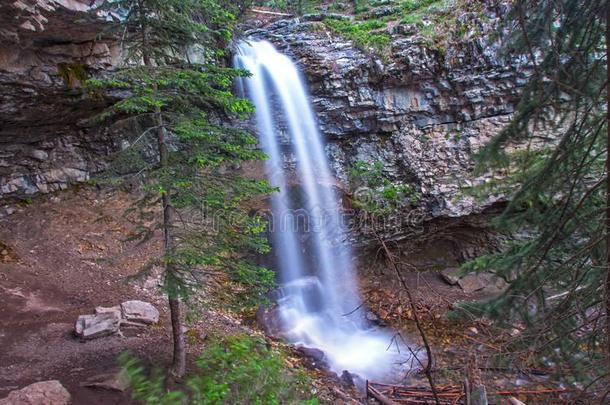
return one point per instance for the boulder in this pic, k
(40, 393)
(314, 358)
(450, 276)
(347, 379)
(471, 283)
(269, 320)
(489, 283)
(131, 315)
(114, 381)
(98, 325)
(493, 283)
(139, 311)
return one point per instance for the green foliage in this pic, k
(436, 21)
(295, 6)
(236, 370)
(281, 5)
(556, 185)
(387, 196)
(362, 33)
(73, 74)
(165, 31)
(409, 6)
(174, 87)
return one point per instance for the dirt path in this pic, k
(59, 258)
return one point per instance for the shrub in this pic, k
(235, 370)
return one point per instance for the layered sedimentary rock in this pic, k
(423, 113)
(420, 111)
(48, 48)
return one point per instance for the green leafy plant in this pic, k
(174, 92)
(361, 33)
(387, 195)
(235, 370)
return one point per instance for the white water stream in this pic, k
(315, 265)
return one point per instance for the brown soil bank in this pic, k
(62, 256)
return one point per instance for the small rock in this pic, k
(370, 316)
(40, 393)
(450, 276)
(39, 154)
(139, 311)
(347, 379)
(95, 326)
(316, 357)
(471, 283)
(115, 381)
(514, 332)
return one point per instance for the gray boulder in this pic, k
(131, 315)
(140, 312)
(98, 325)
(471, 283)
(451, 276)
(113, 381)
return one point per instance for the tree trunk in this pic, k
(607, 289)
(178, 335)
(175, 303)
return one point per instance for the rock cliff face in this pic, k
(423, 113)
(47, 49)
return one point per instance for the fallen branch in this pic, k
(531, 392)
(480, 342)
(379, 396)
(448, 395)
(254, 10)
(344, 396)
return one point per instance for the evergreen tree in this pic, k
(174, 87)
(558, 187)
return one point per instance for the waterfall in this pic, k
(319, 300)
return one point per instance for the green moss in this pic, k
(363, 34)
(410, 6)
(74, 75)
(24, 202)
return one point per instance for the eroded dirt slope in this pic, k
(62, 256)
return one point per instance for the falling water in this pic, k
(320, 300)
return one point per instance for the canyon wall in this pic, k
(420, 111)
(47, 49)
(423, 112)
